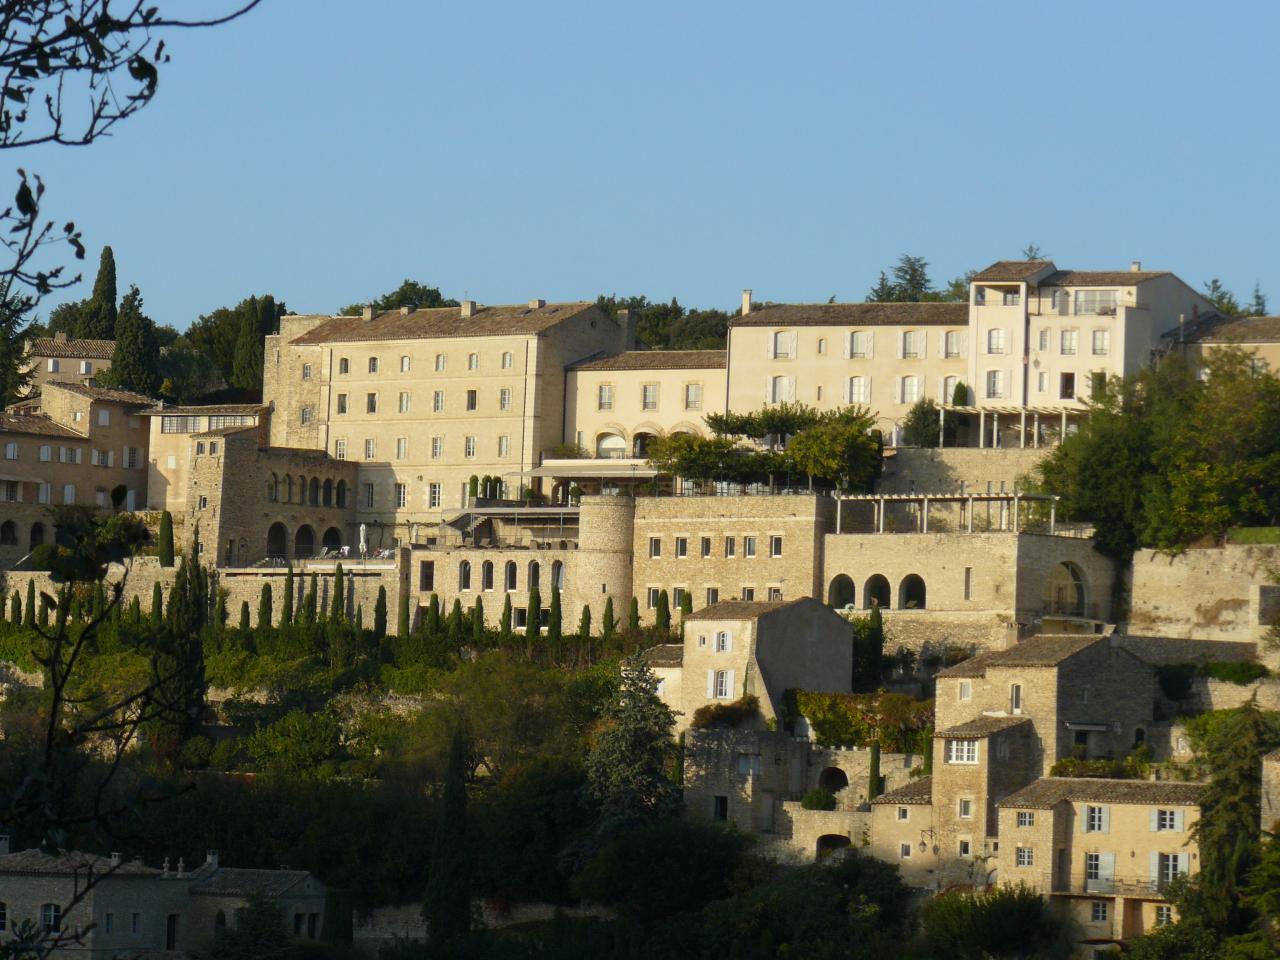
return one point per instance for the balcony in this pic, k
(1138, 887)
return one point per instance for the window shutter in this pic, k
(1155, 820)
(848, 389)
(871, 344)
(900, 338)
(924, 344)
(1177, 821)
(111, 458)
(1106, 864)
(848, 346)
(768, 346)
(791, 388)
(793, 339)
(1084, 820)
(1183, 863)
(1106, 819)
(711, 684)
(866, 390)
(733, 694)
(768, 389)
(1155, 866)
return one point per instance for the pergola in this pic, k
(1021, 413)
(1009, 504)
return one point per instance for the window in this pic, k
(722, 642)
(109, 922)
(86, 366)
(1098, 911)
(340, 449)
(1067, 386)
(860, 344)
(693, 396)
(652, 598)
(469, 447)
(682, 547)
(368, 496)
(1096, 819)
(504, 446)
(1096, 301)
(1025, 857)
(911, 342)
(655, 547)
(46, 453)
(1026, 818)
(962, 751)
(506, 360)
(11, 451)
(1012, 298)
(964, 808)
(213, 451)
(404, 364)
(995, 340)
(995, 384)
(775, 594)
(1164, 915)
(909, 392)
(504, 398)
(371, 403)
(722, 691)
(965, 690)
(306, 415)
(440, 364)
(782, 345)
(951, 343)
(50, 917)
(472, 399)
(649, 396)
(964, 848)
(713, 595)
(53, 365)
(1070, 342)
(775, 546)
(730, 546)
(1170, 866)
(473, 361)
(704, 547)
(720, 807)
(104, 417)
(402, 447)
(342, 404)
(1166, 820)
(748, 593)
(859, 389)
(437, 401)
(344, 365)
(968, 583)
(464, 575)
(306, 371)
(204, 502)
(69, 493)
(748, 547)
(433, 496)
(1044, 338)
(404, 401)
(1015, 698)
(1101, 343)
(822, 345)
(369, 448)
(904, 814)
(604, 396)
(677, 597)
(373, 364)
(904, 851)
(44, 493)
(437, 444)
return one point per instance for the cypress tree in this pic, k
(380, 614)
(135, 612)
(686, 608)
(553, 618)
(337, 610)
(633, 615)
(477, 622)
(447, 904)
(309, 604)
(244, 616)
(662, 613)
(157, 605)
(402, 621)
(926, 749)
(431, 622)
(873, 771)
(15, 608)
(99, 606)
(44, 612)
(220, 613)
(453, 626)
(75, 615)
(608, 625)
(504, 621)
(584, 624)
(264, 607)
(29, 614)
(533, 617)
(960, 396)
(360, 619)
(286, 614)
(246, 364)
(165, 548)
(134, 361)
(98, 321)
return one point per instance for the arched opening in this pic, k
(9, 533)
(1139, 737)
(640, 445)
(332, 538)
(328, 493)
(342, 495)
(486, 575)
(611, 446)
(557, 575)
(464, 575)
(277, 540)
(829, 843)
(1066, 592)
(911, 593)
(304, 542)
(840, 594)
(302, 489)
(37, 534)
(833, 780)
(509, 578)
(288, 489)
(877, 593)
(315, 492)
(535, 575)
(273, 488)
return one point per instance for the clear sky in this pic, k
(324, 150)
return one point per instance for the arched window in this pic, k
(535, 574)
(611, 446)
(640, 445)
(8, 533)
(273, 488)
(315, 491)
(37, 534)
(342, 495)
(328, 493)
(277, 540)
(288, 489)
(50, 917)
(840, 594)
(304, 542)
(1066, 592)
(911, 593)
(557, 574)
(877, 593)
(486, 575)
(509, 581)
(332, 538)
(464, 575)
(833, 780)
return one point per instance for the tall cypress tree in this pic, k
(553, 618)
(157, 605)
(402, 616)
(135, 612)
(264, 607)
(608, 625)
(98, 321)
(447, 904)
(453, 625)
(477, 622)
(15, 608)
(380, 614)
(244, 616)
(533, 616)
(504, 621)
(286, 614)
(584, 623)
(309, 604)
(337, 610)
(164, 549)
(29, 614)
(134, 361)
(431, 622)
(633, 615)
(662, 613)
(246, 365)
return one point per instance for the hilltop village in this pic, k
(881, 633)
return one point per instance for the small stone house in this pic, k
(63, 359)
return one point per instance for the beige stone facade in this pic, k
(171, 452)
(1259, 336)
(60, 359)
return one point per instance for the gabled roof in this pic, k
(124, 397)
(1042, 650)
(1011, 271)
(743, 609)
(855, 315)
(69, 863)
(980, 727)
(665, 655)
(1238, 330)
(657, 360)
(240, 882)
(443, 322)
(916, 791)
(1100, 278)
(36, 424)
(210, 410)
(73, 349)
(1047, 792)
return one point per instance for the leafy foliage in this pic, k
(733, 714)
(1004, 922)
(670, 326)
(134, 360)
(854, 719)
(818, 799)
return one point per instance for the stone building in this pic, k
(1259, 336)
(171, 451)
(61, 359)
(104, 907)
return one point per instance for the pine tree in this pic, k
(15, 375)
(504, 621)
(553, 619)
(98, 321)
(447, 904)
(380, 614)
(165, 547)
(135, 359)
(244, 617)
(633, 615)
(533, 616)
(264, 607)
(15, 608)
(337, 610)
(402, 616)
(157, 606)
(477, 623)
(608, 625)
(662, 613)
(584, 623)
(246, 366)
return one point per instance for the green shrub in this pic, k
(1235, 671)
(819, 799)
(858, 719)
(1175, 680)
(195, 753)
(224, 755)
(732, 714)
(1002, 922)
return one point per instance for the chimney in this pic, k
(116, 859)
(628, 321)
(404, 311)
(468, 308)
(746, 302)
(60, 337)
(211, 857)
(1135, 266)
(164, 870)
(537, 304)
(4, 843)
(367, 313)
(182, 867)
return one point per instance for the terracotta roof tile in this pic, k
(68, 863)
(855, 315)
(37, 425)
(741, 609)
(980, 727)
(1043, 650)
(665, 655)
(212, 410)
(657, 360)
(444, 322)
(1049, 791)
(73, 349)
(1238, 330)
(1011, 271)
(240, 882)
(916, 791)
(104, 394)
(1100, 278)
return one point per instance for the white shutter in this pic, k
(1084, 820)
(848, 345)
(729, 688)
(1177, 821)
(899, 337)
(1184, 866)
(1106, 819)
(924, 344)
(1106, 865)
(768, 346)
(791, 388)
(871, 344)
(768, 389)
(1154, 875)
(1155, 820)
(711, 684)
(793, 339)
(111, 458)
(866, 390)
(848, 389)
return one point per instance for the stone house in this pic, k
(62, 359)
(104, 907)
(1259, 336)
(171, 450)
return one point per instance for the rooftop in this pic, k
(211, 410)
(69, 863)
(239, 882)
(741, 609)
(37, 424)
(980, 727)
(665, 655)
(1042, 650)
(657, 360)
(1100, 278)
(916, 791)
(1049, 791)
(855, 315)
(75, 349)
(1237, 330)
(103, 394)
(442, 322)
(1012, 271)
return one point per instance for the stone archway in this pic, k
(877, 593)
(304, 542)
(841, 592)
(829, 843)
(911, 593)
(1067, 591)
(277, 540)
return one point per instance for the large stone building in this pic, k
(60, 359)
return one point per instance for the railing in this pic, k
(1114, 886)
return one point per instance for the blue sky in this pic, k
(512, 150)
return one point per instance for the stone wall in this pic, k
(952, 469)
(1210, 694)
(1159, 651)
